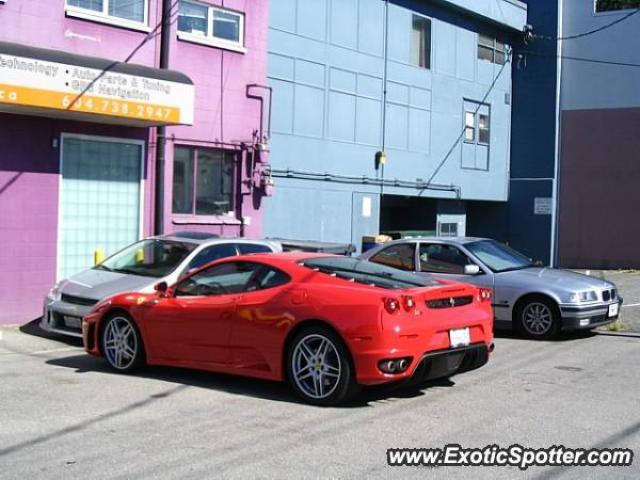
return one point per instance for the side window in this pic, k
(253, 248)
(267, 277)
(397, 256)
(212, 253)
(437, 258)
(231, 277)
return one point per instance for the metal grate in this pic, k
(450, 302)
(78, 300)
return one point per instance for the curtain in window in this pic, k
(192, 18)
(127, 9)
(226, 25)
(95, 5)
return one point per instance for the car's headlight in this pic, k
(582, 297)
(55, 293)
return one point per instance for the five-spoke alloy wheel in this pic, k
(319, 367)
(121, 343)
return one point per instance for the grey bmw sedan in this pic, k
(536, 301)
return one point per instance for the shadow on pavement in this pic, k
(562, 337)
(33, 328)
(237, 385)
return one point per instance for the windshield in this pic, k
(497, 256)
(361, 271)
(148, 258)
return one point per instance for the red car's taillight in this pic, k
(391, 305)
(408, 303)
(484, 294)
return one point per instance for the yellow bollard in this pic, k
(98, 256)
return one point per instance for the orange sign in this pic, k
(35, 97)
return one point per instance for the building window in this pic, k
(491, 49)
(612, 5)
(218, 27)
(203, 181)
(476, 123)
(121, 12)
(448, 229)
(421, 42)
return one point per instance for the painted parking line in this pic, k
(631, 305)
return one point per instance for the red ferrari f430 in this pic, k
(326, 324)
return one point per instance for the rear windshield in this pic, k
(370, 273)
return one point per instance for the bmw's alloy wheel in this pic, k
(316, 366)
(537, 318)
(120, 342)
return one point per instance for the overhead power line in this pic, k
(461, 135)
(590, 32)
(580, 59)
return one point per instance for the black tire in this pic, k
(129, 343)
(338, 389)
(538, 318)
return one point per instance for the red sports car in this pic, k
(327, 324)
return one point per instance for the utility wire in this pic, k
(461, 135)
(580, 59)
(590, 32)
(151, 35)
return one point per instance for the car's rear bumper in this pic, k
(446, 363)
(584, 317)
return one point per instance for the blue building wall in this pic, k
(533, 143)
(327, 69)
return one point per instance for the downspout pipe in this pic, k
(161, 131)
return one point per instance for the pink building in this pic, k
(78, 131)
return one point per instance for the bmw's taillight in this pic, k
(391, 305)
(408, 303)
(484, 294)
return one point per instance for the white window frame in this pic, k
(209, 39)
(475, 114)
(104, 17)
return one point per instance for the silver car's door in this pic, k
(448, 261)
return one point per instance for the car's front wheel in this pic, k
(121, 343)
(538, 317)
(319, 367)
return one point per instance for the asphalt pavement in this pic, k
(66, 415)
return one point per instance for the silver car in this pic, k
(138, 267)
(536, 301)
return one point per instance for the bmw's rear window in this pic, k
(356, 270)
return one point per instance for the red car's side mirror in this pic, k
(162, 288)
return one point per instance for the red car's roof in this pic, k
(282, 256)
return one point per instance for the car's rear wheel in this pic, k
(538, 318)
(121, 343)
(319, 367)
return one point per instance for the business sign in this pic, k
(29, 85)
(542, 206)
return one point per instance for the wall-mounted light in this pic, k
(380, 159)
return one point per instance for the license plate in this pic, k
(72, 322)
(459, 337)
(613, 309)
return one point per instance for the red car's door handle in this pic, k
(226, 315)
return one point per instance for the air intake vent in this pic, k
(78, 300)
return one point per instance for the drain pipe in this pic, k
(161, 131)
